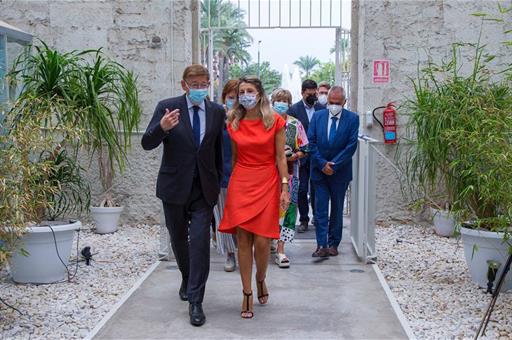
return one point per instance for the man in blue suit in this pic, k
(303, 110)
(332, 138)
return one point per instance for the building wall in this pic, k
(406, 33)
(154, 38)
(151, 37)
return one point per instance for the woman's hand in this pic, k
(292, 158)
(284, 200)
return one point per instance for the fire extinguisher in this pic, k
(389, 126)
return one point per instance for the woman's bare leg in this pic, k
(280, 247)
(245, 244)
(261, 255)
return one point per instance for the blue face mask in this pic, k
(230, 103)
(248, 101)
(281, 107)
(197, 95)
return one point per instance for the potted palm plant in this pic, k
(470, 115)
(105, 104)
(108, 94)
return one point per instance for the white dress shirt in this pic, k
(202, 116)
(309, 110)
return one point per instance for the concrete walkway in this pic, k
(334, 298)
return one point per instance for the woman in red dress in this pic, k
(258, 186)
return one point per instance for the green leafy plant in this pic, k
(460, 138)
(111, 113)
(230, 44)
(38, 179)
(270, 78)
(69, 102)
(101, 99)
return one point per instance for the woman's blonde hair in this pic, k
(238, 112)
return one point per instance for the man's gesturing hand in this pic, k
(170, 119)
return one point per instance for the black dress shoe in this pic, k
(197, 317)
(183, 290)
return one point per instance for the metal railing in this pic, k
(362, 214)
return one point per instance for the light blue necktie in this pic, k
(196, 126)
(332, 131)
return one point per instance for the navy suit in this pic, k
(298, 111)
(188, 184)
(333, 187)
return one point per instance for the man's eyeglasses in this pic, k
(197, 86)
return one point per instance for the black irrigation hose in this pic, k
(11, 307)
(70, 277)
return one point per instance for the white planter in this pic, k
(43, 265)
(490, 246)
(106, 219)
(444, 222)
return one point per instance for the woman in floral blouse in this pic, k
(296, 147)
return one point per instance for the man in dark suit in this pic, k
(332, 139)
(303, 110)
(190, 128)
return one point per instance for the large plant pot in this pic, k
(444, 222)
(489, 246)
(106, 219)
(43, 264)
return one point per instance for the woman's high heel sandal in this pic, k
(247, 313)
(262, 296)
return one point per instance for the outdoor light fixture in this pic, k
(492, 270)
(87, 255)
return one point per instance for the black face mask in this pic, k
(311, 99)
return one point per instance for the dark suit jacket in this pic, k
(340, 151)
(298, 111)
(180, 155)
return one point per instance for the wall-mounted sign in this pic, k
(381, 71)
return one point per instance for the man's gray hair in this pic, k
(337, 88)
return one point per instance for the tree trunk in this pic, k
(222, 69)
(106, 178)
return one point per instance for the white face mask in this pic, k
(322, 99)
(334, 109)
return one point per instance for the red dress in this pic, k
(252, 200)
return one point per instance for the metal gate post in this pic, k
(337, 57)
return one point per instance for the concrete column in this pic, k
(195, 8)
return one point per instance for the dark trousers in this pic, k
(304, 187)
(329, 228)
(189, 228)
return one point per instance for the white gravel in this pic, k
(426, 273)
(429, 277)
(71, 310)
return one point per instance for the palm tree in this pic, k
(307, 64)
(230, 44)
